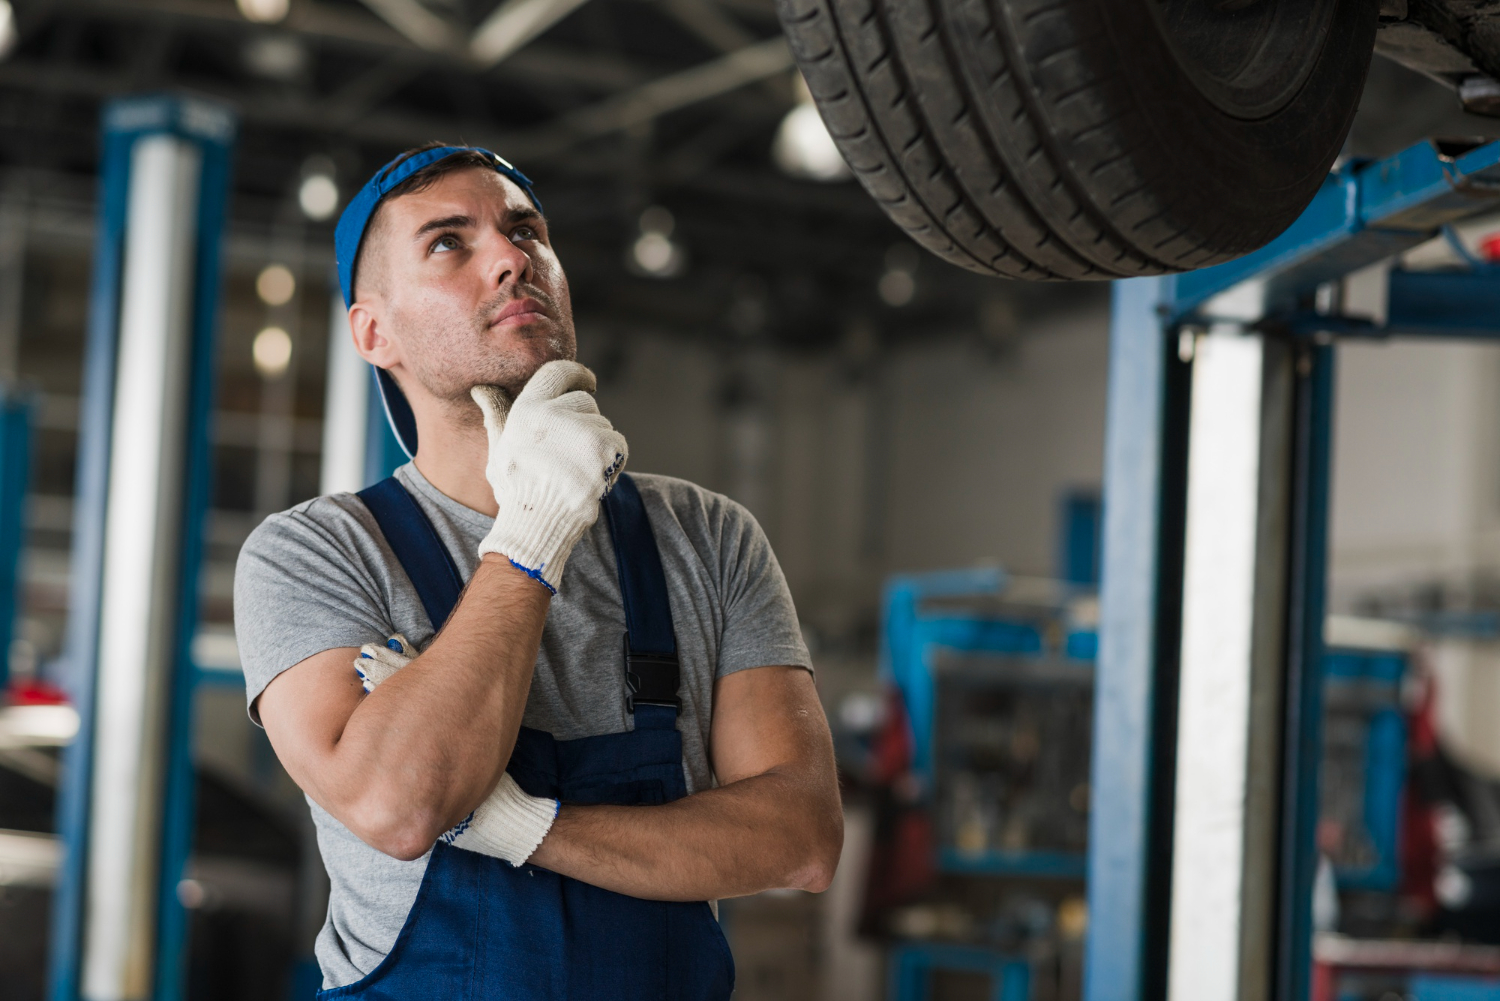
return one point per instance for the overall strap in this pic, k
(417, 546)
(651, 669)
(650, 648)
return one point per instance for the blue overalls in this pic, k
(482, 929)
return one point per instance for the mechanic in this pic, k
(535, 741)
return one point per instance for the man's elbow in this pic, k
(821, 858)
(402, 832)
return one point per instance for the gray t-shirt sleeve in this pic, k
(760, 627)
(303, 585)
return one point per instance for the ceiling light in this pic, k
(272, 351)
(899, 283)
(276, 285)
(803, 148)
(318, 196)
(276, 57)
(897, 288)
(654, 253)
(264, 11)
(8, 34)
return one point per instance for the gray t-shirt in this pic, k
(321, 576)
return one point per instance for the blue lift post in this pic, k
(203, 135)
(15, 477)
(1365, 213)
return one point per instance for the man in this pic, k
(530, 788)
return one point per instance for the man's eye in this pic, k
(524, 233)
(445, 243)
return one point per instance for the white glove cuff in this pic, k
(536, 532)
(508, 825)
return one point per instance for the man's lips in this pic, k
(519, 312)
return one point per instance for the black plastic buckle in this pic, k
(650, 679)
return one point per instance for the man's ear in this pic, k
(369, 339)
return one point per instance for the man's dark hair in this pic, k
(420, 180)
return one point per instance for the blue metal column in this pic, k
(1131, 782)
(1302, 723)
(15, 476)
(153, 316)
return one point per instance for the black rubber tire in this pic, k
(1062, 139)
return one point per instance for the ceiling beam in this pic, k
(424, 28)
(718, 30)
(513, 24)
(321, 23)
(660, 96)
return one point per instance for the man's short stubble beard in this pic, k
(448, 375)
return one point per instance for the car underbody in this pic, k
(1456, 42)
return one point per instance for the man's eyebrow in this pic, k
(446, 222)
(526, 214)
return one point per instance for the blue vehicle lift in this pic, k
(153, 315)
(1281, 307)
(15, 477)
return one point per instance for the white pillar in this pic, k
(1229, 707)
(141, 562)
(346, 406)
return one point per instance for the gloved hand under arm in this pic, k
(552, 458)
(509, 824)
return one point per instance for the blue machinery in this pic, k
(932, 621)
(1209, 685)
(15, 468)
(1215, 541)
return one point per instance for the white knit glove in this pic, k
(377, 663)
(507, 825)
(552, 458)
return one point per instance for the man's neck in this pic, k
(452, 457)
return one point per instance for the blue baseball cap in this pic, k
(350, 232)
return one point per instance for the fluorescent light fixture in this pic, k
(318, 196)
(276, 285)
(8, 34)
(264, 11)
(38, 726)
(272, 351)
(275, 56)
(654, 253)
(898, 285)
(803, 148)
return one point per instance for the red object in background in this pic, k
(1419, 845)
(35, 693)
(1489, 248)
(901, 859)
(893, 748)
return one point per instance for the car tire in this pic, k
(1086, 139)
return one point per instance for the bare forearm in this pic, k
(764, 832)
(427, 746)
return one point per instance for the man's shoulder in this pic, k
(685, 499)
(331, 522)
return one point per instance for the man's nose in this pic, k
(509, 263)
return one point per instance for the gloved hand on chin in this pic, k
(509, 824)
(552, 458)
